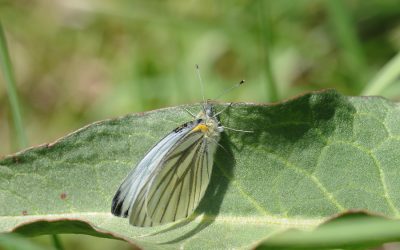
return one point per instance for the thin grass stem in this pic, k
(6, 67)
(385, 77)
(351, 49)
(265, 27)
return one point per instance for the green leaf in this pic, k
(17, 242)
(348, 231)
(308, 159)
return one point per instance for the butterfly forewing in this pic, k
(139, 178)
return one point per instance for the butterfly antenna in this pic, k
(201, 85)
(230, 89)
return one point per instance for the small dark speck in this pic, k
(63, 196)
(15, 159)
(24, 213)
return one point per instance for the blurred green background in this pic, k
(79, 61)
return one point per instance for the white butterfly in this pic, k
(171, 179)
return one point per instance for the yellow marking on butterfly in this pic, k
(201, 127)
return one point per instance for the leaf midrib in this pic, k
(224, 219)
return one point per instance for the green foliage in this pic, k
(17, 242)
(82, 61)
(348, 231)
(308, 159)
(91, 60)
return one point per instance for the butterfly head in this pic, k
(207, 123)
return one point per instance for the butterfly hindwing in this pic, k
(177, 190)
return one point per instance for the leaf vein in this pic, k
(329, 196)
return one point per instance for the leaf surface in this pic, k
(307, 159)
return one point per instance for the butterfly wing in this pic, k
(131, 190)
(177, 189)
(169, 181)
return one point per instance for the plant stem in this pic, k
(266, 41)
(387, 75)
(351, 46)
(56, 242)
(9, 78)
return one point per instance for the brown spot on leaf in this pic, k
(24, 212)
(63, 196)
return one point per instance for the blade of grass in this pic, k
(387, 75)
(11, 91)
(265, 28)
(56, 242)
(9, 78)
(351, 46)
